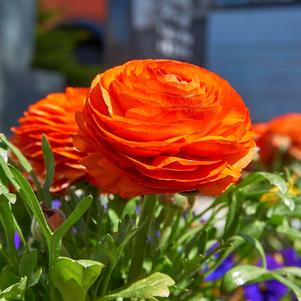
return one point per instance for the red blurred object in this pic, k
(88, 9)
(280, 134)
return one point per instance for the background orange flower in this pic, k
(53, 116)
(281, 134)
(162, 126)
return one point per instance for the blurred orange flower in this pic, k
(54, 117)
(281, 134)
(162, 126)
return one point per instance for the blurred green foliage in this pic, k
(55, 49)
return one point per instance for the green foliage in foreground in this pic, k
(108, 248)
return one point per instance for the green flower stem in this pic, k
(191, 199)
(211, 207)
(167, 226)
(106, 281)
(145, 221)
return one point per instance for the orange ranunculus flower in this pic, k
(162, 126)
(54, 117)
(279, 134)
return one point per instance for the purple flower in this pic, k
(17, 240)
(272, 290)
(220, 271)
(291, 258)
(138, 210)
(56, 204)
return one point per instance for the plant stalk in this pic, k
(139, 246)
(167, 226)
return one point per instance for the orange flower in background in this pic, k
(162, 126)
(53, 116)
(279, 134)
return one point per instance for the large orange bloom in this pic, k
(162, 126)
(279, 134)
(53, 116)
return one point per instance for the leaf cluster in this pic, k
(95, 254)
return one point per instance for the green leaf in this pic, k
(155, 285)
(22, 159)
(295, 288)
(73, 278)
(287, 200)
(8, 276)
(10, 197)
(6, 174)
(75, 215)
(50, 166)
(129, 208)
(254, 229)
(289, 232)
(232, 221)
(126, 231)
(28, 263)
(293, 271)
(8, 221)
(3, 154)
(113, 247)
(15, 291)
(282, 210)
(253, 241)
(114, 219)
(242, 275)
(273, 179)
(247, 274)
(34, 278)
(30, 199)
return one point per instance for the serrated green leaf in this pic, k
(113, 247)
(15, 291)
(155, 285)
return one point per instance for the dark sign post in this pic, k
(173, 29)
